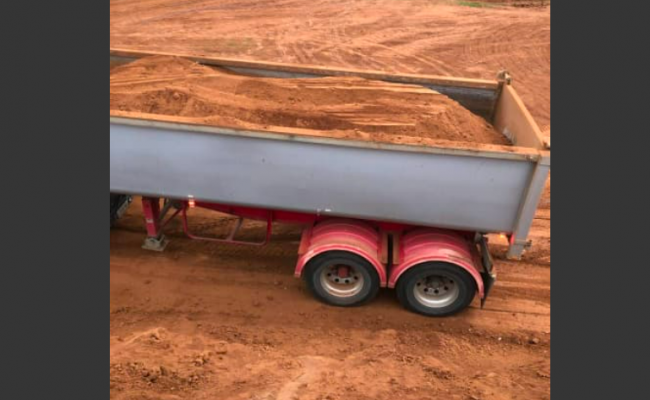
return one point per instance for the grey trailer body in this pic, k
(483, 189)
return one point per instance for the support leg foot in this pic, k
(158, 244)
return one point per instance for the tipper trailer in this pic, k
(414, 218)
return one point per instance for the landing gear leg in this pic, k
(156, 240)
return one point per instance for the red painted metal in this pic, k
(155, 216)
(290, 217)
(435, 245)
(231, 237)
(151, 210)
(356, 237)
(261, 214)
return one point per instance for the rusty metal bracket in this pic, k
(504, 77)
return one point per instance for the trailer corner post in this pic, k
(519, 242)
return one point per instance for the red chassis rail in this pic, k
(392, 249)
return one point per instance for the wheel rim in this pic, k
(436, 291)
(342, 281)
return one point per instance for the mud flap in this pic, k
(489, 275)
(119, 205)
(489, 279)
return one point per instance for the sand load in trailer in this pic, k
(335, 107)
(438, 197)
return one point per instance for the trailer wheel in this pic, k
(436, 289)
(342, 279)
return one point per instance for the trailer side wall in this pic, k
(439, 190)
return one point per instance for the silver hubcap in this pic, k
(436, 292)
(341, 281)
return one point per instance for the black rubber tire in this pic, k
(465, 282)
(315, 267)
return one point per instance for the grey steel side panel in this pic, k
(446, 191)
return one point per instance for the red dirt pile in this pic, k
(349, 108)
